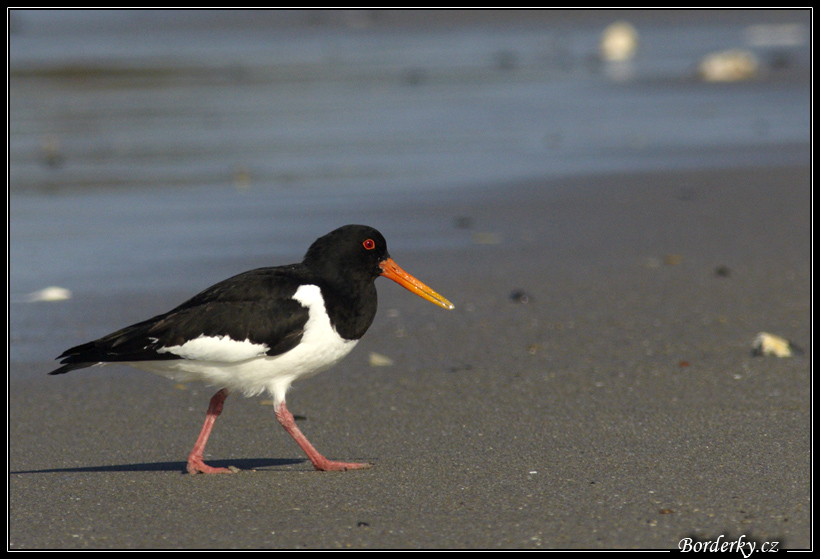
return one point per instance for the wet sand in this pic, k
(594, 388)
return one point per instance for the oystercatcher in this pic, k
(263, 329)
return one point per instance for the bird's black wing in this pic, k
(257, 306)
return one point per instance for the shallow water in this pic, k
(127, 102)
(149, 147)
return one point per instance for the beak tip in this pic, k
(392, 271)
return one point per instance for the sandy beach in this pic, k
(594, 388)
(614, 236)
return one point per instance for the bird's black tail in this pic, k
(76, 358)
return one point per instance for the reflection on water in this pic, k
(158, 151)
(120, 100)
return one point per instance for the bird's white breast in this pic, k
(217, 348)
(244, 366)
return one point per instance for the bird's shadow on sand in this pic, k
(242, 464)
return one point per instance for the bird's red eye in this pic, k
(369, 244)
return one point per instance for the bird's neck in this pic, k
(352, 310)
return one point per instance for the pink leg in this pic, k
(319, 462)
(195, 462)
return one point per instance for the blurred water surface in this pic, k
(105, 99)
(147, 146)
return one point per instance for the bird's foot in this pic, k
(197, 466)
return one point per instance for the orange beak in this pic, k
(393, 271)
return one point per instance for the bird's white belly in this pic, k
(243, 366)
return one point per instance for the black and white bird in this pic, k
(263, 329)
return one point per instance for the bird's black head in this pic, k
(349, 252)
(355, 255)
